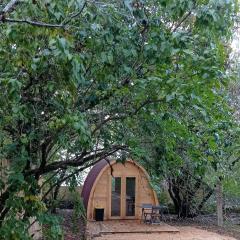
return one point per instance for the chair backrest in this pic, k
(156, 209)
(147, 205)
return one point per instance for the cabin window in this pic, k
(130, 196)
(116, 197)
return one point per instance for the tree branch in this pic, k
(39, 24)
(120, 117)
(71, 175)
(9, 7)
(184, 17)
(182, 20)
(65, 22)
(76, 162)
(12, 3)
(66, 178)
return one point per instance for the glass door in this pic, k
(116, 197)
(130, 196)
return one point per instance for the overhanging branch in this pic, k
(12, 4)
(123, 116)
(76, 162)
(33, 23)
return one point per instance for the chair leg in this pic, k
(151, 220)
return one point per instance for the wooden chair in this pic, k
(155, 215)
(146, 209)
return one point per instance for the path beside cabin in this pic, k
(185, 233)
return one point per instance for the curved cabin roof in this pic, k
(89, 181)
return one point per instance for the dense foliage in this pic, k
(84, 80)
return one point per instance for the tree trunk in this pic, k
(56, 192)
(205, 199)
(174, 195)
(181, 204)
(183, 192)
(219, 196)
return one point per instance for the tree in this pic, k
(81, 81)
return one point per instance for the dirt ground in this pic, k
(231, 227)
(189, 230)
(73, 230)
(186, 233)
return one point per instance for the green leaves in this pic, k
(146, 75)
(107, 57)
(54, 230)
(16, 179)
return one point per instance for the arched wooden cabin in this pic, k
(120, 189)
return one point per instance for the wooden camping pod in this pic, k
(100, 186)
